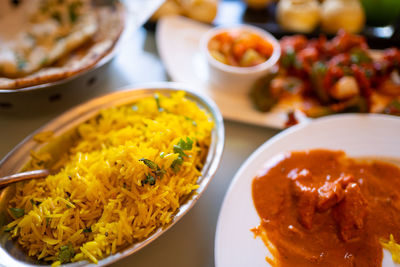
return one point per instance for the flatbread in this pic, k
(94, 37)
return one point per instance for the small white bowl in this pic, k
(237, 79)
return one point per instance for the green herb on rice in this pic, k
(157, 98)
(17, 212)
(66, 253)
(155, 173)
(191, 120)
(87, 230)
(179, 148)
(9, 229)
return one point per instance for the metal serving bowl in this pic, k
(10, 253)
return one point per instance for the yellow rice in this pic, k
(98, 202)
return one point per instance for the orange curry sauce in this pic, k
(320, 208)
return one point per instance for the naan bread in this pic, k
(54, 47)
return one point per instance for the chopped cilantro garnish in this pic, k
(150, 179)
(155, 173)
(157, 98)
(152, 165)
(176, 164)
(9, 229)
(87, 230)
(179, 148)
(189, 119)
(37, 203)
(17, 212)
(186, 145)
(66, 253)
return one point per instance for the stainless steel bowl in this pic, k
(11, 254)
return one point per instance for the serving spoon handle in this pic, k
(36, 174)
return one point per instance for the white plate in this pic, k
(358, 135)
(178, 43)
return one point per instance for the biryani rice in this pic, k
(103, 198)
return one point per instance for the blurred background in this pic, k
(377, 20)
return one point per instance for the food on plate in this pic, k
(322, 77)
(342, 14)
(321, 208)
(47, 40)
(298, 15)
(240, 48)
(125, 176)
(237, 56)
(168, 8)
(303, 16)
(200, 10)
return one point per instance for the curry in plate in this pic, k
(321, 208)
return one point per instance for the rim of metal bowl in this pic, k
(18, 157)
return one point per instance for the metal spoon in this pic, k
(6, 180)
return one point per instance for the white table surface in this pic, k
(191, 241)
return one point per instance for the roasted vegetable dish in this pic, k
(323, 77)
